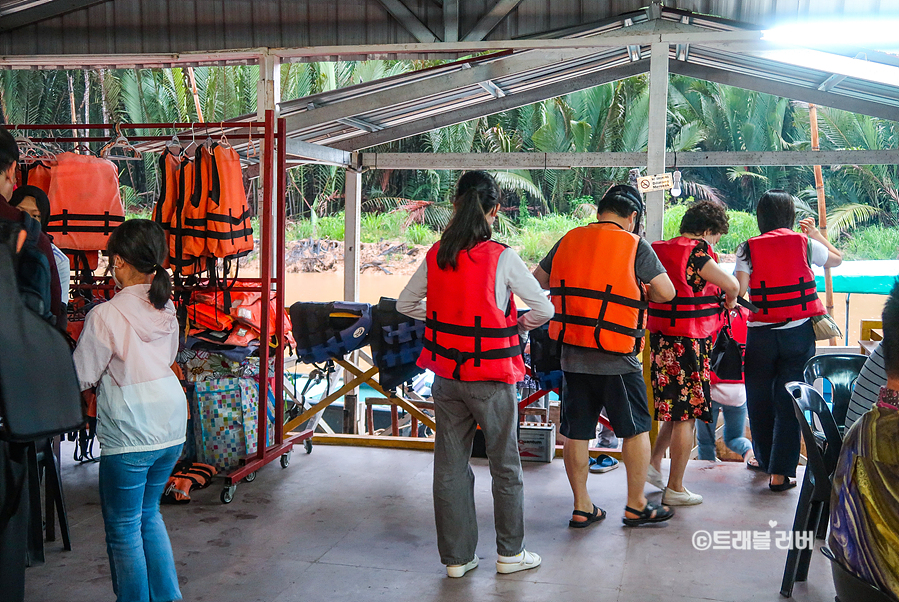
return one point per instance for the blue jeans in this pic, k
(140, 554)
(734, 427)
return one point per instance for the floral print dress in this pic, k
(680, 366)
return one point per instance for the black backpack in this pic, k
(39, 391)
(33, 274)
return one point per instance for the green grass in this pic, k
(873, 242)
(537, 235)
(742, 227)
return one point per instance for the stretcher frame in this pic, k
(272, 214)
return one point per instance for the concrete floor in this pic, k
(357, 524)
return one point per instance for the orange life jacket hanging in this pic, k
(599, 302)
(229, 231)
(782, 283)
(167, 203)
(85, 202)
(182, 262)
(467, 337)
(689, 314)
(35, 174)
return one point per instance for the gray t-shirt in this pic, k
(584, 360)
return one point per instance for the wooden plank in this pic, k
(407, 405)
(414, 443)
(321, 405)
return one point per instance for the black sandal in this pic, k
(598, 515)
(652, 513)
(757, 467)
(787, 484)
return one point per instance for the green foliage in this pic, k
(535, 240)
(418, 234)
(742, 226)
(382, 226)
(874, 242)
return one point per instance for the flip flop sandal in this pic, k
(652, 513)
(787, 484)
(598, 515)
(603, 463)
(753, 464)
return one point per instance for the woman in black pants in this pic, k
(776, 269)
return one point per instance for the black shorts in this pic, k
(623, 396)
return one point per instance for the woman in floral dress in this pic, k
(681, 341)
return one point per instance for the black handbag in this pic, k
(727, 355)
(39, 392)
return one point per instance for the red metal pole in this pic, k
(265, 263)
(281, 228)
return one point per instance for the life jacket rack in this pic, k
(271, 135)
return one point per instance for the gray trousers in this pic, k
(460, 407)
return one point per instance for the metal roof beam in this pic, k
(409, 21)
(450, 20)
(493, 18)
(495, 68)
(26, 13)
(491, 87)
(318, 153)
(490, 107)
(456, 161)
(792, 91)
(360, 124)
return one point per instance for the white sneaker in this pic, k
(681, 498)
(654, 478)
(459, 570)
(512, 564)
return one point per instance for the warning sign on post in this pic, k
(660, 181)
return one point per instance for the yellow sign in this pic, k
(660, 181)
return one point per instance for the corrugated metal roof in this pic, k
(178, 26)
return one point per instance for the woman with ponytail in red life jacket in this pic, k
(776, 268)
(464, 292)
(681, 342)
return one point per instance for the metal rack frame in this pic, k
(272, 214)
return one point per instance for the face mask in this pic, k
(115, 278)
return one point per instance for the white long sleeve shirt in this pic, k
(512, 277)
(126, 350)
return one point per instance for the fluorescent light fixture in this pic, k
(835, 64)
(880, 33)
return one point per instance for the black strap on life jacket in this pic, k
(760, 295)
(599, 323)
(690, 311)
(61, 222)
(478, 333)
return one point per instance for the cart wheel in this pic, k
(250, 477)
(285, 460)
(228, 494)
(308, 445)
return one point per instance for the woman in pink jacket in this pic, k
(126, 350)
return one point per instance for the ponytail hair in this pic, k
(141, 243)
(477, 193)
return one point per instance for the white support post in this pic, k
(658, 125)
(268, 95)
(354, 412)
(352, 221)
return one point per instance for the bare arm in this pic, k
(834, 256)
(661, 290)
(713, 273)
(743, 280)
(542, 277)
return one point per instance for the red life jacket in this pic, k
(782, 284)
(186, 236)
(689, 314)
(467, 337)
(85, 202)
(739, 317)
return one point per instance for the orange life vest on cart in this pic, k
(167, 203)
(467, 337)
(782, 283)
(599, 302)
(85, 202)
(229, 231)
(689, 314)
(36, 174)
